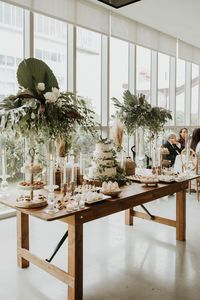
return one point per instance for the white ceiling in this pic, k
(179, 18)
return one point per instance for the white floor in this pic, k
(120, 262)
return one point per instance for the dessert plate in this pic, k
(104, 197)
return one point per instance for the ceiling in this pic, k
(179, 18)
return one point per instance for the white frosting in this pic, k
(103, 162)
(108, 187)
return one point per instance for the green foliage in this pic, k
(40, 109)
(120, 178)
(136, 112)
(32, 71)
(15, 156)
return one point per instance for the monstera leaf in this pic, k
(32, 71)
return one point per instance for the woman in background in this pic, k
(183, 136)
(195, 142)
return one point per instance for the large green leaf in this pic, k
(31, 71)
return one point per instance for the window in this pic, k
(11, 50)
(118, 70)
(8, 53)
(163, 80)
(143, 71)
(180, 92)
(50, 44)
(194, 94)
(2, 59)
(89, 68)
(10, 61)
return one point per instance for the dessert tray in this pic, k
(26, 185)
(135, 178)
(112, 193)
(94, 199)
(166, 178)
(110, 189)
(26, 202)
(149, 180)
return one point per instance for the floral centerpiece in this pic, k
(137, 112)
(39, 109)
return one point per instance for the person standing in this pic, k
(174, 148)
(183, 136)
(195, 141)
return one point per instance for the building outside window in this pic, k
(180, 92)
(163, 80)
(50, 40)
(118, 70)
(89, 68)
(11, 50)
(143, 71)
(194, 94)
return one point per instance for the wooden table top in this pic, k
(132, 195)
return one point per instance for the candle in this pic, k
(3, 164)
(72, 178)
(51, 173)
(64, 170)
(81, 164)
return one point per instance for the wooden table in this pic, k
(131, 196)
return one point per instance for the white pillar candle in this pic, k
(72, 178)
(81, 164)
(64, 169)
(51, 172)
(3, 163)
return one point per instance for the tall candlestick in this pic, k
(64, 170)
(81, 164)
(3, 164)
(51, 173)
(72, 178)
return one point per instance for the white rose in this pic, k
(41, 86)
(56, 92)
(50, 97)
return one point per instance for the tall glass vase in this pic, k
(155, 153)
(140, 148)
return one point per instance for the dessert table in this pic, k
(130, 197)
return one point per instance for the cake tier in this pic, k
(100, 147)
(95, 172)
(102, 155)
(104, 163)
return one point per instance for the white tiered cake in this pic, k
(104, 162)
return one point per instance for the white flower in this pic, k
(32, 116)
(50, 97)
(41, 86)
(56, 92)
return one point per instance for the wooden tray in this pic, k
(31, 204)
(135, 178)
(149, 183)
(112, 194)
(105, 197)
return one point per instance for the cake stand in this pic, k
(30, 200)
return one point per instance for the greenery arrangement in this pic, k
(136, 112)
(40, 109)
(120, 178)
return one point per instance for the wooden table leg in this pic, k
(181, 215)
(22, 238)
(75, 258)
(128, 217)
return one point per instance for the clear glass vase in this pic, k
(140, 149)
